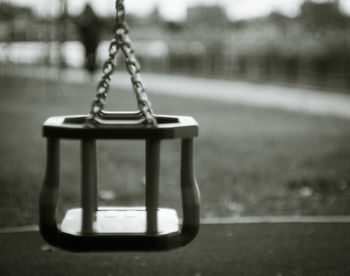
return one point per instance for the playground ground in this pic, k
(251, 160)
(286, 249)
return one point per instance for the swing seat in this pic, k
(94, 228)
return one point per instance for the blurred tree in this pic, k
(316, 16)
(207, 16)
(154, 17)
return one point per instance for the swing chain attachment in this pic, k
(121, 41)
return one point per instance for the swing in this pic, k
(94, 228)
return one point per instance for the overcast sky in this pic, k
(176, 9)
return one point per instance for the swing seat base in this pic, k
(118, 229)
(121, 221)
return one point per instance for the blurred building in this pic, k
(15, 22)
(19, 23)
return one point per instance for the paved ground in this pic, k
(246, 249)
(266, 95)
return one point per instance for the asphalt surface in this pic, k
(271, 249)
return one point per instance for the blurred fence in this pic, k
(196, 59)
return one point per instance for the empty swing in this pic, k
(94, 228)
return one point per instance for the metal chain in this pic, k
(121, 41)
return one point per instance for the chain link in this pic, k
(121, 42)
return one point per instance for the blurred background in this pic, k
(253, 157)
(294, 42)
